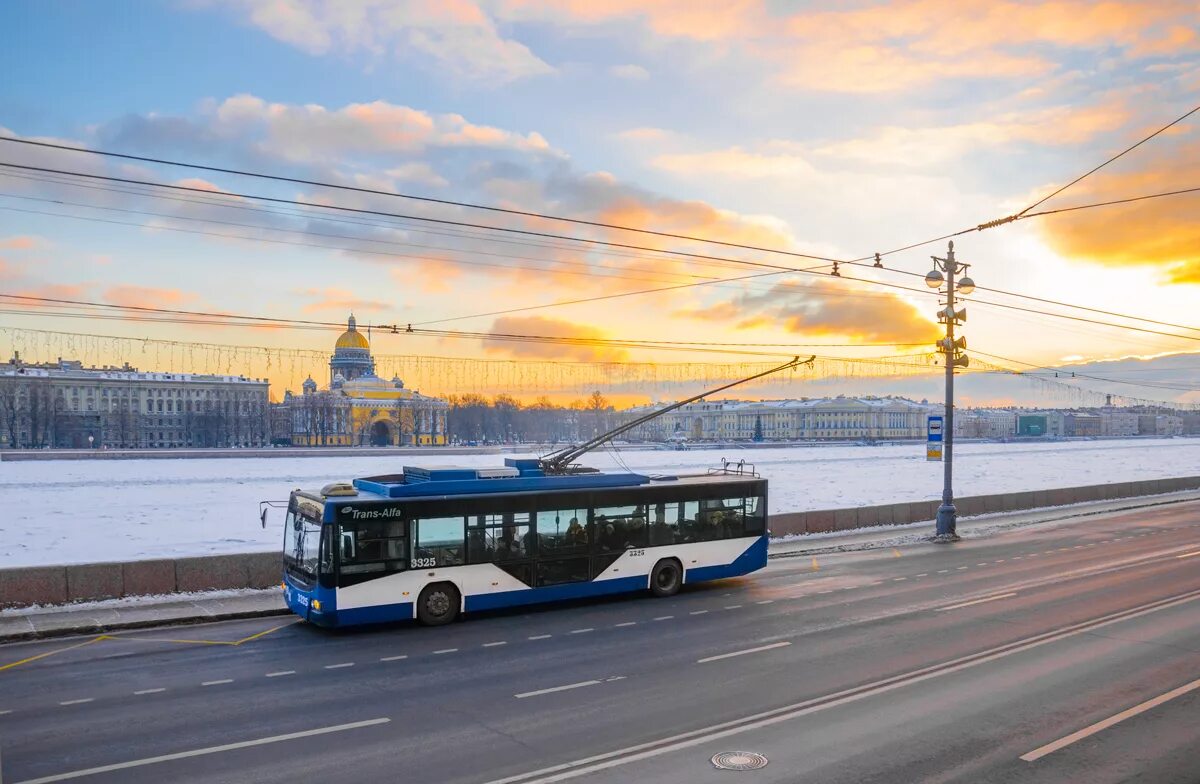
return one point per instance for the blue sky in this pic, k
(838, 129)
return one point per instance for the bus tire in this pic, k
(666, 577)
(438, 604)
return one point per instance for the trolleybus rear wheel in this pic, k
(666, 577)
(438, 604)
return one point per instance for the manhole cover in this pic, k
(739, 760)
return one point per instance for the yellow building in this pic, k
(359, 408)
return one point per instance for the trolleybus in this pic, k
(432, 543)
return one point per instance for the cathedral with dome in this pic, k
(358, 408)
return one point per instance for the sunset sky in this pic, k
(833, 129)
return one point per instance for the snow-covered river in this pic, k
(71, 511)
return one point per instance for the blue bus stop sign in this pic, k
(934, 429)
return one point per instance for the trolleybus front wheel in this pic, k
(438, 604)
(666, 577)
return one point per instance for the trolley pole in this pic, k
(953, 352)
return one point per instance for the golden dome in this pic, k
(352, 338)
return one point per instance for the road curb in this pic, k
(145, 623)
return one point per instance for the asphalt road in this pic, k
(1055, 653)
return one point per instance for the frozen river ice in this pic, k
(71, 511)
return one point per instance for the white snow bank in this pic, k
(74, 511)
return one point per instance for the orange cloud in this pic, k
(53, 291)
(21, 242)
(147, 297)
(900, 44)
(818, 308)
(1161, 233)
(540, 325)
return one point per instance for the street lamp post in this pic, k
(954, 353)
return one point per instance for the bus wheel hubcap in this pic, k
(438, 603)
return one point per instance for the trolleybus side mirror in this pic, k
(262, 516)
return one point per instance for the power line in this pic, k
(426, 199)
(230, 319)
(399, 224)
(1077, 374)
(1102, 165)
(779, 268)
(1115, 201)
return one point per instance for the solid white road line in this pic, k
(394, 658)
(339, 666)
(977, 601)
(568, 687)
(77, 702)
(217, 683)
(1189, 555)
(280, 673)
(743, 653)
(150, 691)
(1100, 726)
(75, 774)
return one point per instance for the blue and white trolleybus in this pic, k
(432, 543)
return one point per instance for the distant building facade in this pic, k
(985, 423)
(66, 405)
(839, 418)
(358, 408)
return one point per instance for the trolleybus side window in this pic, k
(562, 532)
(756, 515)
(504, 537)
(665, 522)
(620, 528)
(438, 542)
(371, 548)
(722, 518)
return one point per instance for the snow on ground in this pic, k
(73, 511)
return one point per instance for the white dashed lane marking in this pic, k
(77, 702)
(554, 689)
(280, 673)
(619, 625)
(734, 607)
(445, 650)
(494, 644)
(394, 658)
(582, 631)
(149, 691)
(765, 601)
(540, 637)
(339, 666)
(698, 612)
(217, 683)
(664, 617)
(759, 649)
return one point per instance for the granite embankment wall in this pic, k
(87, 582)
